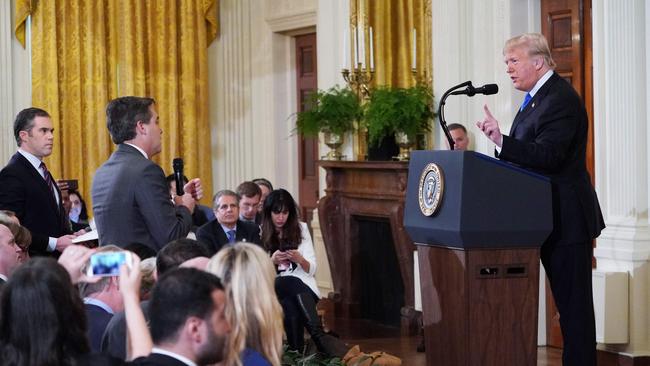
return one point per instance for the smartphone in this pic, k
(108, 263)
(73, 184)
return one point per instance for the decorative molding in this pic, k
(6, 82)
(292, 22)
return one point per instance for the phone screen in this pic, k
(107, 263)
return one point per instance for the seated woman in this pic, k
(78, 213)
(289, 243)
(253, 310)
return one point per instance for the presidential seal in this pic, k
(432, 186)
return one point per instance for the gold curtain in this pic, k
(87, 52)
(393, 22)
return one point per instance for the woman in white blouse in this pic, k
(288, 241)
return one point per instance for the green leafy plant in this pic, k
(294, 358)
(392, 110)
(334, 110)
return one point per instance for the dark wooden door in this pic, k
(307, 146)
(566, 24)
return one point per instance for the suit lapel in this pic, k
(534, 102)
(40, 182)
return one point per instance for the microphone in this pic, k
(178, 176)
(487, 89)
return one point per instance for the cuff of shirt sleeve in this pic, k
(51, 244)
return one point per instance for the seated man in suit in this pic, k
(227, 228)
(101, 300)
(28, 188)
(8, 253)
(170, 257)
(250, 195)
(459, 134)
(188, 323)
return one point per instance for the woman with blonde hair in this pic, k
(253, 310)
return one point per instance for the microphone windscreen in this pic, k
(489, 89)
(177, 163)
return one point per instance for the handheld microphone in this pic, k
(487, 89)
(178, 176)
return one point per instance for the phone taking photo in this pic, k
(108, 263)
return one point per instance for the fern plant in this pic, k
(334, 110)
(392, 110)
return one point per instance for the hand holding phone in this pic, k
(108, 263)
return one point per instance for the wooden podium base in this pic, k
(479, 305)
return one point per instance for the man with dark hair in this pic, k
(227, 228)
(131, 201)
(28, 188)
(459, 133)
(250, 195)
(188, 323)
(171, 256)
(266, 187)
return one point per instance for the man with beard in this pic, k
(187, 320)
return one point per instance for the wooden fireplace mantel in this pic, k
(370, 189)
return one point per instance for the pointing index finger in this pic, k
(487, 111)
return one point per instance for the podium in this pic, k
(478, 255)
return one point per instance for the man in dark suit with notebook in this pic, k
(28, 188)
(549, 136)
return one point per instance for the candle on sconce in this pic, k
(362, 48)
(356, 47)
(346, 49)
(415, 53)
(372, 52)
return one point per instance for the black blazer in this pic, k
(98, 319)
(212, 236)
(26, 193)
(550, 137)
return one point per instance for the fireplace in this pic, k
(365, 200)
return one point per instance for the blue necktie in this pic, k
(525, 103)
(231, 236)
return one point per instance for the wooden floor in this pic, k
(375, 337)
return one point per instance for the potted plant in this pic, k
(404, 112)
(332, 112)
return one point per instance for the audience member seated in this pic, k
(52, 326)
(187, 317)
(143, 251)
(8, 253)
(201, 214)
(289, 243)
(459, 134)
(250, 195)
(148, 269)
(266, 187)
(22, 236)
(227, 228)
(253, 309)
(101, 300)
(169, 257)
(78, 213)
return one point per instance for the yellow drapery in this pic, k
(393, 22)
(87, 52)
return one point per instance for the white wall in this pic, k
(15, 80)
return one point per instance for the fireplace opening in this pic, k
(381, 285)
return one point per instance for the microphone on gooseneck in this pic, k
(470, 91)
(178, 176)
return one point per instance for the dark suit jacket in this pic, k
(212, 236)
(114, 339)
(98, 319)
(550, 137)
(131, 202)
(25, 192)
(156, 359)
